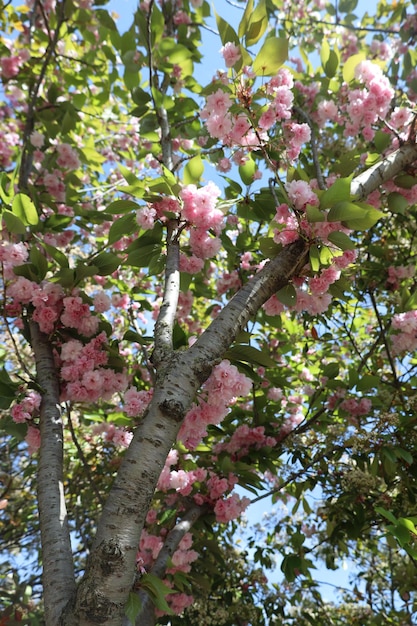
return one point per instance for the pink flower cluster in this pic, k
(220, 390)
(406, 338)
(10, 66)
(116, 435)
(230, 508)
(23, 411)
(136, 402)
(279, 89)
(366, 105)
(222, 124)
(245, 438)
(356, 407)
(67, 157)
(231, 54)
(12, 255)
(83, 373)
(198, 208)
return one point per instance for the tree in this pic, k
(281, 358)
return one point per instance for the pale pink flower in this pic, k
(301, 194)
(145, 217)
(33, 439)
(231, 54)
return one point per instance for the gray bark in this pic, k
(58, 573)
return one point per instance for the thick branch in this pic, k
(110, 573)
(222, 332)
(166, 318)
(58, 569)
(146, 616)
(383, 171)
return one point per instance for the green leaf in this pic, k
(142, 256)
(350, 65)
(39, 261)
(331, 370)
(5, 196)
(157, 591)
(314, 214)
(287, 295)
(13, 223)
(249, 354)
(397, 203)
(369, 219)
(106, 262)
(271, 56)
(56, 254)
(268, 247)
(338, 192)
(25, 210)
(253, 23)
(125, 225)
(329, 59)
(193, 170)
(343, 211)
(227, 33)
(247, 171)
(341, 240)
(133, 606)
(314, 258)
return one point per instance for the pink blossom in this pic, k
(231, 54)
(33, 439)
(203, 245)
(301, 194)
(46, 317)
(37, 139)
(231, 508)
(135, 402)
(145, 217)
(67, 157)
(191, 264)
(10, 66)
(102, 302)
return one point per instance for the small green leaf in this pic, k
(39, 261)
(250, 354)
(314, 258)
(227, 33)
(397, 203)
(247, 171)
(56, 254)
(314, 214)
(25, 210)
(343, 211)
(271, 56)
(331, 370)
(125, 225)
(106, 262)
(157, 591)
(350, 65)
(338, 192)
(13, 223)
(133, 606)
(142, 256)
(193, 170)
(341, 240)
(287, 295)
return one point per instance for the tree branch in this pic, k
(166, 318)
(383, 171)
(58, 568)
(171, 544)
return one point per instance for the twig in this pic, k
(82, 457)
